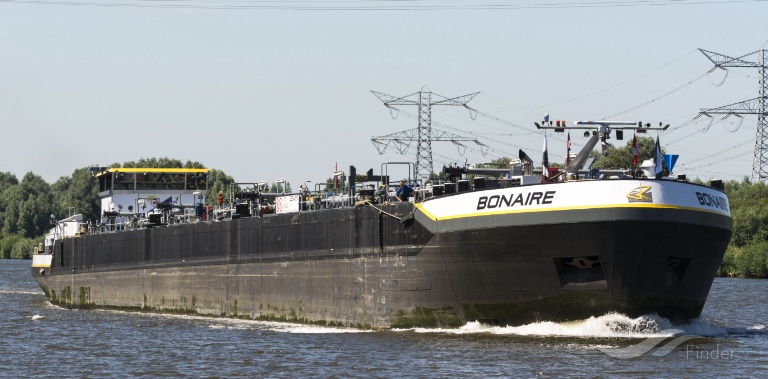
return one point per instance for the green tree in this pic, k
(753, 260)
(503, 161)
(6, 245)
(7, 180)
(729, 266)
(218, 181)
(23, 248)
(749, 224)
(746, 194)
(195, 164)
(80, 191)
(10, 202)
(34, 219)
(747, 254)
(27, 207)
(163, 162)
(278, 188)
(621, 157)
(749, 210)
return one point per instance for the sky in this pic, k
(265, 90)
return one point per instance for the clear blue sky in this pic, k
(285, 93)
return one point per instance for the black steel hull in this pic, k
(361, 267)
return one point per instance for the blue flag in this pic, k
(670, 160)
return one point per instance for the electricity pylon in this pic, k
(423, 134)
(756, 106)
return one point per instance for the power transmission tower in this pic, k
(756, 106)
(424, 134)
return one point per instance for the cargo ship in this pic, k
(510, 246)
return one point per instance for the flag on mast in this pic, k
(568, 151)
(545, 158)
(635, 150)
(659, 160)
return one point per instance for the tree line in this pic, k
(747, 254)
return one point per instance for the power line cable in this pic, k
(619, 84)
(723, 173)
(527, 131)
(520, 108)
(729, 149)
(693, 166)
(678, 88)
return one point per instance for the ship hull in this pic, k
(363, 267)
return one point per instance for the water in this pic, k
(38, 339)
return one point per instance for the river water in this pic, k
(38, 339)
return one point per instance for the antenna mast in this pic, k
(424, 134)
(756, 106)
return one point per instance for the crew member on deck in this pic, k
(403, 192)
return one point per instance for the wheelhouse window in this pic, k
(124, 180)
(139, 180)
(159, 180)
(105, 183)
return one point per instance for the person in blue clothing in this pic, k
(403, 192)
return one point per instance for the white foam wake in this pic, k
(612, 325)
(242, 324)
(281, 327)
(310, 329)
(21, 292)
